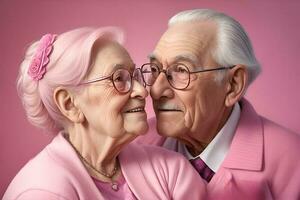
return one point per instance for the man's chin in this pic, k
(170, 129)
(169, 116)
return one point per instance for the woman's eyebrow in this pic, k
(117, 66)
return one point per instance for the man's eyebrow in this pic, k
(186, 57)
(189, 58)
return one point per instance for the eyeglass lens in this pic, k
(122, 80)
(177, 75)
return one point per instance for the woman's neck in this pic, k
(98, 152)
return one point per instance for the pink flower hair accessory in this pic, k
(37, 68)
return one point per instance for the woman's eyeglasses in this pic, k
(121, 79)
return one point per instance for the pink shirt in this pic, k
(123, 191)
(57, 173)
(262, 163)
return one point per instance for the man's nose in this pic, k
(161, 87)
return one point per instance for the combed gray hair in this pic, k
(233, 44)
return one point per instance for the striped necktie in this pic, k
(204, 171)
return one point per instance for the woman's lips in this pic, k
(134, 110)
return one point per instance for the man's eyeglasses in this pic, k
(121, 79)
(178, 75)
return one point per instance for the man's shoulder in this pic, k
(266, 140)
(281, 158)
(275, 135)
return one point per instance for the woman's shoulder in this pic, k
(39, 176)
(43, 174)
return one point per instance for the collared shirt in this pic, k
(216, 151)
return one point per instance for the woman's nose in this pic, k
(137, 75)
(138, 87)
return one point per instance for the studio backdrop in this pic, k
(273, 27)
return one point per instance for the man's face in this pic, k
(193, 115)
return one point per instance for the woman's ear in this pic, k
(237, 84)
(64, 100)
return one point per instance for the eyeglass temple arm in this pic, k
(214, 69)
(96, 80)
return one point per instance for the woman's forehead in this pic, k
(109, 57)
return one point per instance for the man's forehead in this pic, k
(203, 30)
(185, 41)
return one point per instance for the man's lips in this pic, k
(168, 108)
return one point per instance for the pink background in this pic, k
(273, 27)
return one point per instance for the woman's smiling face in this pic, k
(107, 111)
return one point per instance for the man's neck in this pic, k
(195, 150)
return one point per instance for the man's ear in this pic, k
(64, 100)
(236, 84)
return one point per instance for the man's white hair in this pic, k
(233, 44)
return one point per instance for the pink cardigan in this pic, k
(263, 161)
(151, 173)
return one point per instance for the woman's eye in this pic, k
(153, 69)
(118, 78)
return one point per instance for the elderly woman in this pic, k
(83, 86)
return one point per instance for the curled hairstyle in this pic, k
(69, 64)
(233, 44)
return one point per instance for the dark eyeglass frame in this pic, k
(110, 77)
(165, 71)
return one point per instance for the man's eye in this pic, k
(180, 69)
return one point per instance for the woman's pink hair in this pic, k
(69, 63)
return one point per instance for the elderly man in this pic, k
(198, 74)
